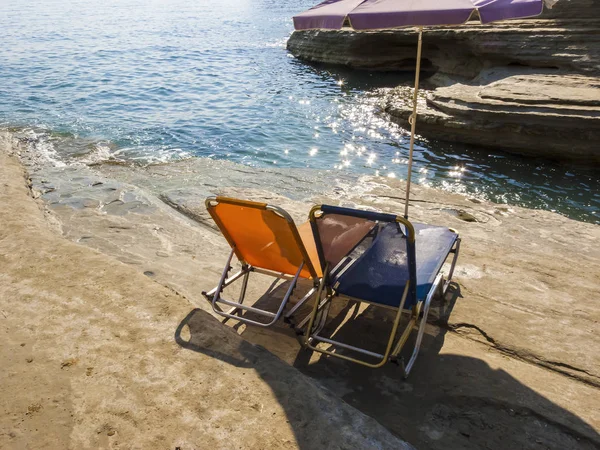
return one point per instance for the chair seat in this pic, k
(264, 236)
(380, 274)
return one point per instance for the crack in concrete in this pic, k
(189, 214)
(530, 358)
(418, 200)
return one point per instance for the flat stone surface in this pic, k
(511, 356)
(548, 89)
(96, 355)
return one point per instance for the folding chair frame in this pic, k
(419, 310)
(214, 295)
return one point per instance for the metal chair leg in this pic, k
(313, 313)
(312, 339)
(407, 368)
(453, 265)
(239, 306)
(301, 302)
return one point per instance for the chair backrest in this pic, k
(261, 235)
(341, 232)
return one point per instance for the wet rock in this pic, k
(121, 207)
(90, 203)
(462, 214)
(189, 202)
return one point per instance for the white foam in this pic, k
(41, 148)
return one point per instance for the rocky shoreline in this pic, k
(89, 358)
(504, 353)
(527, 87)
(536, 113)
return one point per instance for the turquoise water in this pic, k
(161, 80)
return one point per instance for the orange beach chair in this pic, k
(265, 240)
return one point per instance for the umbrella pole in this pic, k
(413, 122)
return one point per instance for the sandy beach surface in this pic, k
(108, 342)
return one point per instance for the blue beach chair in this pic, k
(380, 259)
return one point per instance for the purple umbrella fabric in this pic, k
(381, 14)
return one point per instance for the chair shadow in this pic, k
(308, 410)
(448, 401)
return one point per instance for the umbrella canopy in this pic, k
(381, 14)
(385, 14)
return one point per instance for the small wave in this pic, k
(53, 149)
(279, 43)
(150, 155)
(40, 146)
(102, 153)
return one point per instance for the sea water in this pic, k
(146, 81)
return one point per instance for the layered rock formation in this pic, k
(558, 116)
(533, 113)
